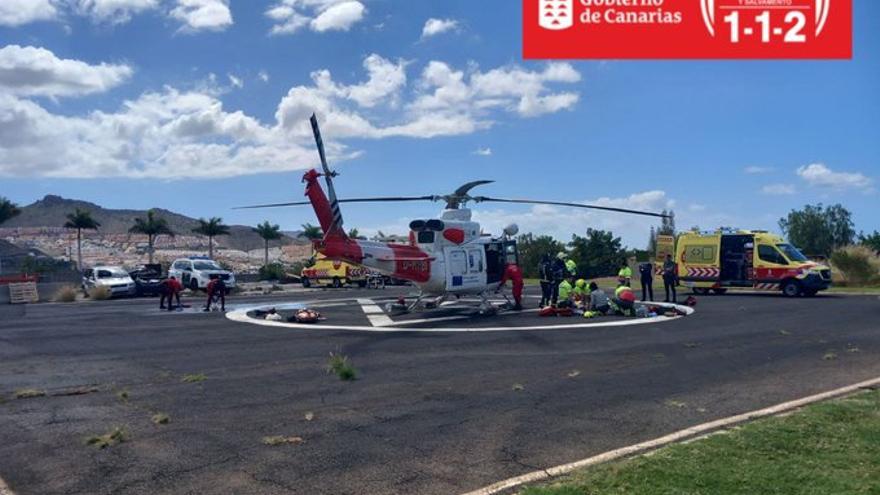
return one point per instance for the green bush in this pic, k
(341, 367)
(272, 271)
(858, 264)
(66, 294)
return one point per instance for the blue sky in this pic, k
(164, 105)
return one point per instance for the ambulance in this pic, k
(753, 259)
(336, 274)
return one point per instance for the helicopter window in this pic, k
(457, 262)
(475, 261)
(426, 237)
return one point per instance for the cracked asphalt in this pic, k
(430, 413)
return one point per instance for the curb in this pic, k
(688, 433)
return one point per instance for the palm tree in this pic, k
(311, 232)
(354, 233)
(211, 229)
(79, 220)
(151, 227)
(268, 232)
(8, 209)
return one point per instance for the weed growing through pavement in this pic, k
(830, 356)
(122, 395)
(115, 436)
(194, 378)
(573, 373)
(676, 404)
(161, 418)
(341, 367)
(29, 393)
(276, 440)
(518, 387)
(310, 416)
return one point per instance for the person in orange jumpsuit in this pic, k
(513, 273)
(171, 290)
(216, 291)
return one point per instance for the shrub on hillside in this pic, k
(858, 264)
(66, 294)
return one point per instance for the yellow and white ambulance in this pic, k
(755, 259)
(334, 273)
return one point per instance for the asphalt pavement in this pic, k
(432, 413)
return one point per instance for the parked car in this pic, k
(196, 272)
(114, 278)
(148, 280)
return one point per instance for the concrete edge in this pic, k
(688, 433)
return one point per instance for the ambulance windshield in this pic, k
(792, 252)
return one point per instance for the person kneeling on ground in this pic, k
(216, 291)
(170, 288)
(624, 299)
(598, 299)
(581, 294)
(565, 294)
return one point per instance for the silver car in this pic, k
(114, 278)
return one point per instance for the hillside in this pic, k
(51, 211)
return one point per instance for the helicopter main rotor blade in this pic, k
(350, 200)
(485, 199)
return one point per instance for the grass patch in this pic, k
(826, 448)
(276, 440)
(115, 436)
(340, 366)
(100, 293)
(194, 378)
(29, 393)
(66, 294)
(161, 418)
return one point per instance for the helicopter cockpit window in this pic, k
(426, 237)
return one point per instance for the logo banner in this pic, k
(687, 29)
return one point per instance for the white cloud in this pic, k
(112, 11)
(31, 71)
(320, 16)
(198, 15)
(263, 75)
(18, 12)
(755, 170)
(235, 81)
(483, 151)
(446, 102)
(779, 189)
(819, 175)
(177, 134)
(434, 27)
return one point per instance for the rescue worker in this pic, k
(558, 272)
(598, 299)
(670, 273)
(216, 290)
(581, 293)
(545, 273)
(571, 267)
(646, 274)
(624, 299)
(513, 273)
(565, 294)
(170, 288)
(624, 275)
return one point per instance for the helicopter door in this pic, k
(466, 268)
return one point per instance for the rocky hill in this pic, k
(51, 211)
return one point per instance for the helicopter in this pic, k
(446, 257)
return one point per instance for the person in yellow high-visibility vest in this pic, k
(565, 294)
(581, 293)
(624, 276)
(571, 267)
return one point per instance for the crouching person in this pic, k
(624, 299)
(598, 300)
(169, 289)
(216, 293)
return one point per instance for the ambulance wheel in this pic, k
(337, 283)
(720, 292)
(306, 282)
(791, 288)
